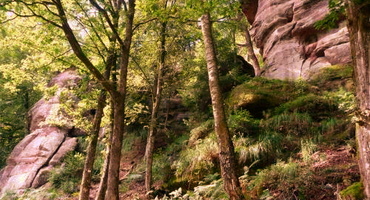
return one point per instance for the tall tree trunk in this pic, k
(226, 154)
(91, 149)
(116, 146)
(251, 54)
(119, 98)
(157, 93)
(359, 32)
(248, 39)
(104, 178)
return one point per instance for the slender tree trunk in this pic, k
(112, 192)
(119, 98)
(104, 178)
(248, 41)
(91, 149)
(250, 52)
(157, 93)
(359, 32)
(226, 154)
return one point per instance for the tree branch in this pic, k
(144, 22)
(109, 21)
(78, 50)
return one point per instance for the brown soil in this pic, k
(334, 169)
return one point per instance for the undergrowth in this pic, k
(275, 149)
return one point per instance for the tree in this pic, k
(55, 13)
(226, 154)
(358, 16)
(248, 40)
(156, 101)
(91, 149)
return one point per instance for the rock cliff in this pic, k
(32, 159)
(284, 32)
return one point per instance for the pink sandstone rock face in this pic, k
(33, 157)
(290, 45)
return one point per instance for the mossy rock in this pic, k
(353, 192)
(333, 77)
(317, 106)
(258, 95)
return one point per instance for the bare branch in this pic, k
(124, 4)
(76, 47)
(93, 29)
(109, 21)
(34, 14)
(144, 22)
(8, 20)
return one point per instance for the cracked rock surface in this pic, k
(33, 157)
(292, 48)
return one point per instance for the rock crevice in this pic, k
(291, 47)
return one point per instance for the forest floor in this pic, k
(333, 169)
(130, 159)
(327, 164)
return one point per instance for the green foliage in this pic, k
(241, 122)
(163, 159)
(194, 163)
(353, 192)
(316, 106)
(33, 194)
(332, 19)
(286, 180)
(298, 124)
(266, 147)
(308, 147)
(332, 73)
(67, 177)
(345, 100)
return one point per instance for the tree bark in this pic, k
(104, 178)
(359, 32)
(226, 154)
(119, 108)
(157, 94)
(248, 40)
(251, 54)
(91, 150)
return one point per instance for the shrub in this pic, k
(68, 176)
(317, 107)
(298, 124)
(196, 162)
(285, 180)
(353, 192)
(241, 122)
(267, 146)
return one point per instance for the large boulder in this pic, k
(290, 45)
(44, 147)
